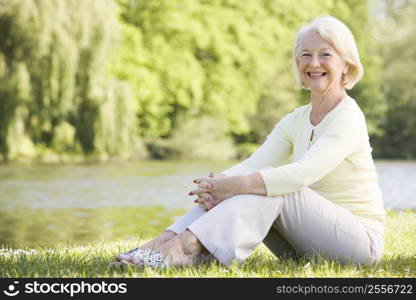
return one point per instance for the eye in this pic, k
(326, 54)
(306, 54)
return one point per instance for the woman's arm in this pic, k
(248, 184)
(221, 188)
(276, 149)
(243, 177)
(335, 144)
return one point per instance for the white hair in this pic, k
(340, 37)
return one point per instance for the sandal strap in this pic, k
(151, 258)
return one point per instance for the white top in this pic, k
(337, 163)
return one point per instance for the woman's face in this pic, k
(319, 65)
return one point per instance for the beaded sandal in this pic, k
(148, 257)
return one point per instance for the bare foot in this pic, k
(182, 249)
(153, 244)
(164, 237)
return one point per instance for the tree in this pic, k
(55, 90)
(397, 45)
(228, 59)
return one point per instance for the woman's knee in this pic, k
(242, 202)
(239, 200)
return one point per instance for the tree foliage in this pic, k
(99, 76)
(230, 59)
(54, 91)
(398, 48)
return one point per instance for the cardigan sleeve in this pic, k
(276, 149)
(338, 141)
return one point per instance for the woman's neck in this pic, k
(323, 103)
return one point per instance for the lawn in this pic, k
(92, 260)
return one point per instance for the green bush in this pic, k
(201, 138)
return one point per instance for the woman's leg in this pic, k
(274, 240)
(156, 242)
(173, 230)
(187, 219)
(236, 226)
(312, 224)
(278, 245)
(307, 221)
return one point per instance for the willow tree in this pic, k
(55, 92)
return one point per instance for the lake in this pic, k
(47, 205)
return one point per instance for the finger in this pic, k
(210, 205)
(205, 197)
(198, 191)
(205, 185)
(206, 201)
(213, 200)
(205, 205)
(199, 180)
(200, 200)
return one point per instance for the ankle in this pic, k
(164, 237)
(190, 244)
(161, 239)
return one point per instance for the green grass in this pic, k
(92, 260)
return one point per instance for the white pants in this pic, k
(297, 224)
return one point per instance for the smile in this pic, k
(316, 75)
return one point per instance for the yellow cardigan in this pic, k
(333, 158)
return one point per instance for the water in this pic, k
(397, 181)
(149, 183)
(49, 205)
(44, 205)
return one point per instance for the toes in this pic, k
(123, 256)
(118, 264)
(136, 261)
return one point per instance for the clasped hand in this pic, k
(211, 190)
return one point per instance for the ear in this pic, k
(346, 68)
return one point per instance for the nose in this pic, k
(315, 61)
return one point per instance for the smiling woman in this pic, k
(319, 64)
(328, 37)
(310, 187)
(326, 62)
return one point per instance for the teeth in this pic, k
(316, 73)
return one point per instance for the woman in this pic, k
(311, 187)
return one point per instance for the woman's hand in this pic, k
(213, 189)
(205, 200)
